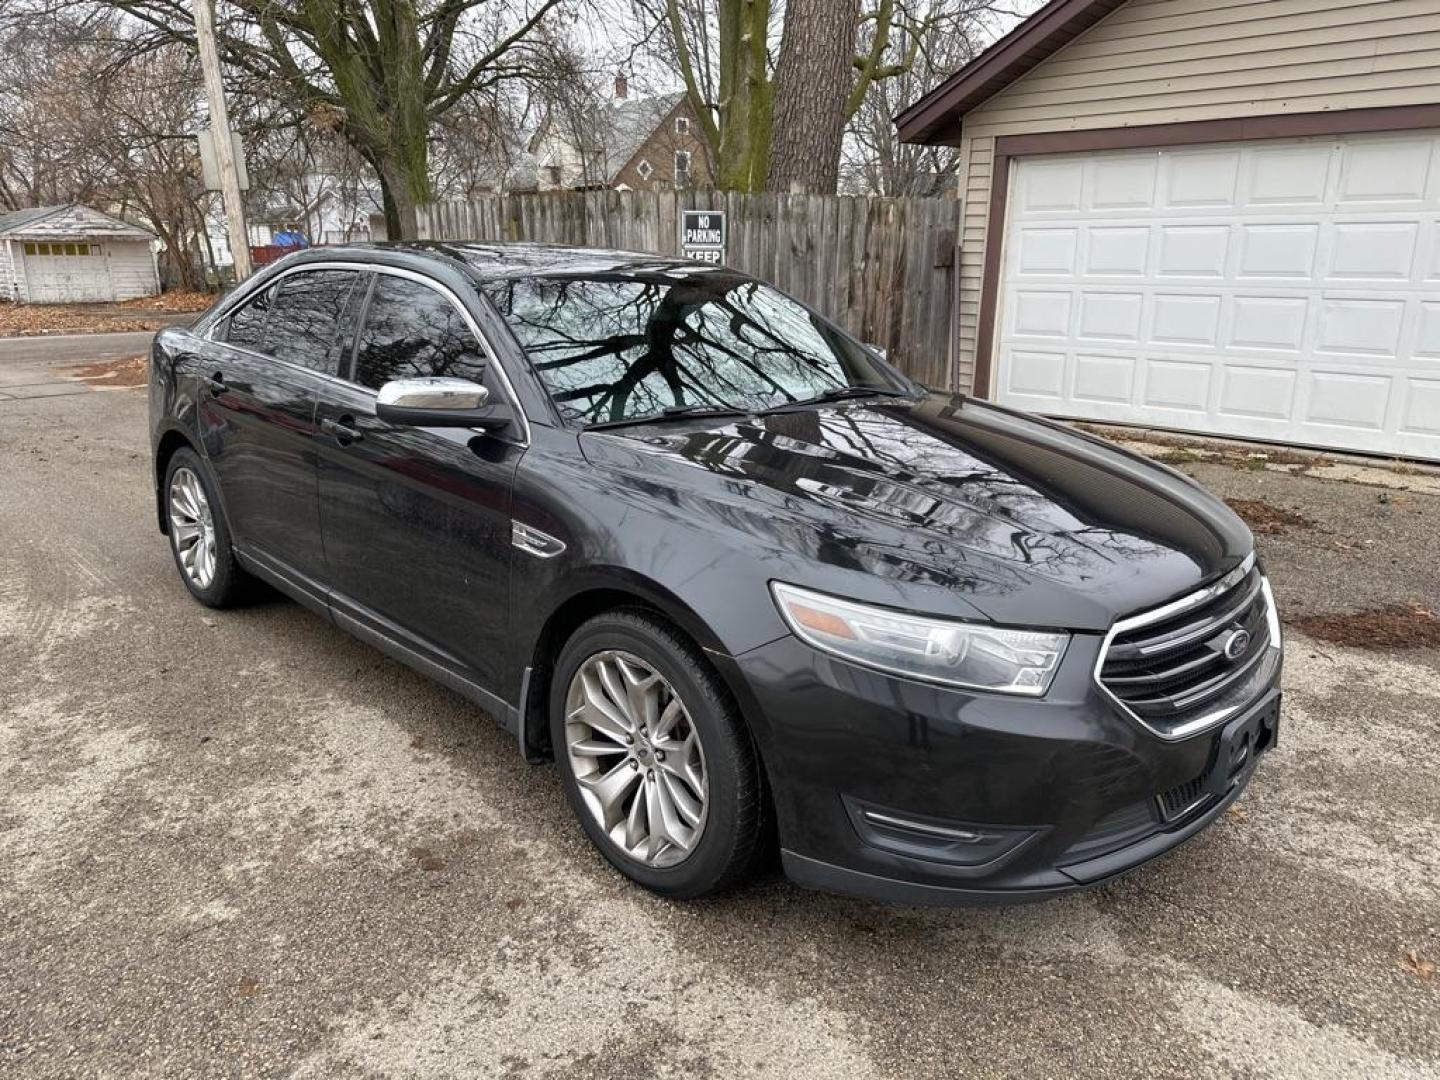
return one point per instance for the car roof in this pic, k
(499, 261)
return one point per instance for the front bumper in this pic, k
(909, 792)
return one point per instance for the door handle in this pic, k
(216, 383)
(344, 430)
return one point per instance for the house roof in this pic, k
(70, 219)
(16, 219)
(936, 117)
(628, 124)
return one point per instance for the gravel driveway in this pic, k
(242, 844)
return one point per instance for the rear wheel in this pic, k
(656, 762)
(199, 533)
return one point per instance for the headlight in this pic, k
(974, 655)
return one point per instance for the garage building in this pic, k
(68, 254)
(1217, 216)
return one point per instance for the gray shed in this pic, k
(69, 254)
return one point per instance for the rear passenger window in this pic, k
(412, 331)
(246, 325)
(307, 319)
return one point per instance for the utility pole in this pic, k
(224, 143)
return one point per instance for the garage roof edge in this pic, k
(936, 117)
(18, 223)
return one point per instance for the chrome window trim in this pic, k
(1170, 610)
(492, 358)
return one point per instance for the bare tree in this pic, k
(777, 119)
(389, 69)
(946, 35)
(139, 120)
(84, 122)
(40, 162)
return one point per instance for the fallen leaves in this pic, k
(1237, 813)
(427, 860)
(1266, 519)
(1417, 965)
(248, 986)
(1397, 626)
(31, 320)
(131, 371)
(174, 300)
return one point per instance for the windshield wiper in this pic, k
(670, 412)
(839, 393)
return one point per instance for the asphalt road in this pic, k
(50, 348)
(243, 845)
(43, 367)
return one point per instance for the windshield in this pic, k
(624, 345)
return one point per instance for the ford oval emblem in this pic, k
(1236, 644)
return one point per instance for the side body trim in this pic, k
(369, 627)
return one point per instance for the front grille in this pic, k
(1171, 668)
(1182, 798)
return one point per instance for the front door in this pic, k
(259, 378)
(416, 521)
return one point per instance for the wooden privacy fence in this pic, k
(882, 268)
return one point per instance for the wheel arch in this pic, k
(601, 591)
(171, 440)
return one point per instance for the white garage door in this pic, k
(1286, 290)
(65, 272)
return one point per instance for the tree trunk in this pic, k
(746, 95)
(401, 220)
(397, 189)
(812, 85)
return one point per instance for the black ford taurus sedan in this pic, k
(743, 581)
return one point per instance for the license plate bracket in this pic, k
(1241, 741)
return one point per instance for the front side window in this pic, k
(623, 345)
(245, 326)
(308, 317)
(411, 331)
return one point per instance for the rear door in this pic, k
(417, 520)
(260, 375)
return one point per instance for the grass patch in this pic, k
(1178, 455)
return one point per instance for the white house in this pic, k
(66, 254)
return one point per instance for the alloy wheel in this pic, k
(192, 528)
(637, 758)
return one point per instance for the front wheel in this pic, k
(200, 535)
(656, 762)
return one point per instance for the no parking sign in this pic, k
(702, 235)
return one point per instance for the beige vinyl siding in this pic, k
(1172, 61)
(977, 156)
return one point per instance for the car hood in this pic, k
(945, 504)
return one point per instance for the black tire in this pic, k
(230, 585)
(730, 842)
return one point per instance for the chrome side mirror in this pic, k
(438, 402)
